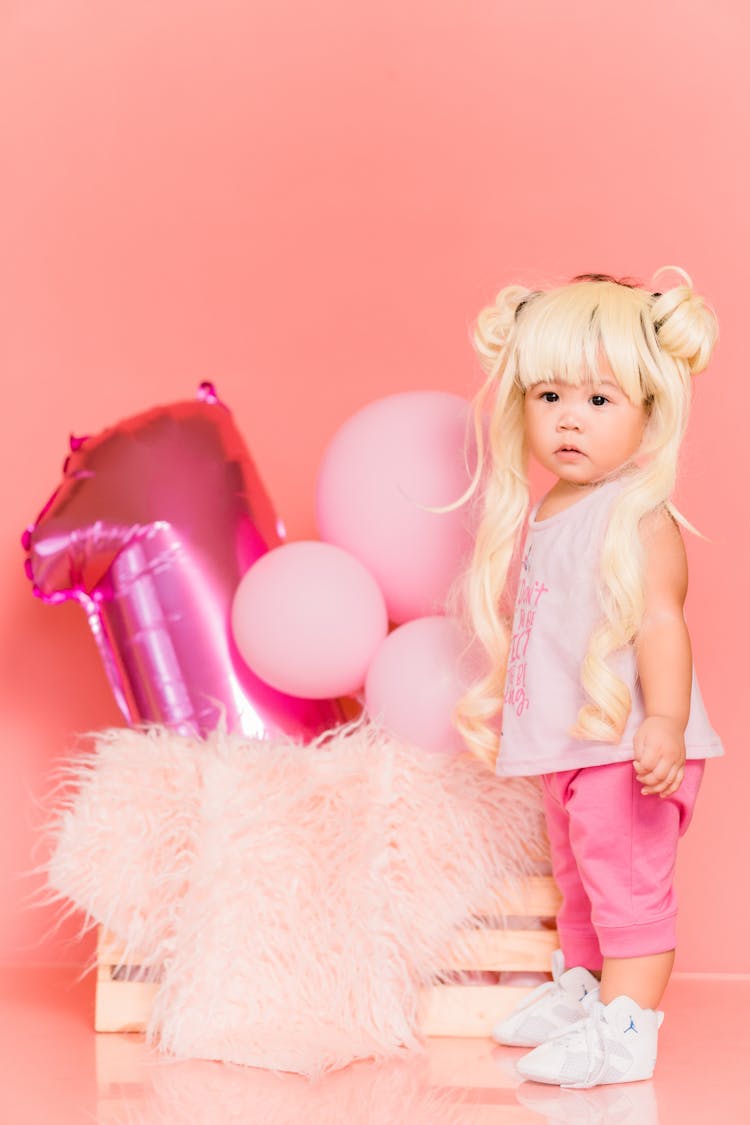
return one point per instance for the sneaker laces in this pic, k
(538, 992)
(596, 1043)
(558, 966)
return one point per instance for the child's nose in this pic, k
(569, 419)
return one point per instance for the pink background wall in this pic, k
(308, 203)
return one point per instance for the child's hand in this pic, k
(659, 755)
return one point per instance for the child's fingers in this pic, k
(668, 784)
(661, 776)
(644, 766)
(675, 784)
(647, 758)
(655, 777)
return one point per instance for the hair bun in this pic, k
(686, 326)
(495, 322)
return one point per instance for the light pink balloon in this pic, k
(307, 618)
(382, 467)
(415, 681)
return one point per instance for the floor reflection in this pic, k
(634, 1103)
(55, 1069)
(456, 1082)
(137, 1087)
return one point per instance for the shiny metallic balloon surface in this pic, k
(153, 526)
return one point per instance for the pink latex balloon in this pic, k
(415, 681)
(382, 467)
(155, 522)
(307, 618)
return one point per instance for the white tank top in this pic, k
(556, 610)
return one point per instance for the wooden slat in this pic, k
(482, 949)
(505, 950)
(466, 1010)
(452, 1010)
(123, 1005)
(538, 898)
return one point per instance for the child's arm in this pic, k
(664, 658)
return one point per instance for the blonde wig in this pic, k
(654, 342)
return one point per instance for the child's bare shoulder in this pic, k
(660, 525)
(666, 560)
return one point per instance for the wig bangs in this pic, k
(570, 335)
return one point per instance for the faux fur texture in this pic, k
(297, 897)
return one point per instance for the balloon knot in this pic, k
(207, 393)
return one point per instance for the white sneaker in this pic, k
(613, 1043)
(550, 1008)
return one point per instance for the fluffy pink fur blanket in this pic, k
(296, 897)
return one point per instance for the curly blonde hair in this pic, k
(654, 342)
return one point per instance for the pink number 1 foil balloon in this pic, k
(155, 523)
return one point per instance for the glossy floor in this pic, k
(55, 1070)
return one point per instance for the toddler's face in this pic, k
(583, 434)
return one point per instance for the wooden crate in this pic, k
(124, 998)
(525, 946)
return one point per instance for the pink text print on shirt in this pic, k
(527, 601)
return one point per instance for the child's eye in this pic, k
(549, 396)
(599, 400)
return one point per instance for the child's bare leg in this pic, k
(643, 979)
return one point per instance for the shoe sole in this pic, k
(508, 1042)
(546, 1081)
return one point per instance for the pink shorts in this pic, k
(613, 857)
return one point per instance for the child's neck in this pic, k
(564, 494)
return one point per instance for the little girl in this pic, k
(593, 679)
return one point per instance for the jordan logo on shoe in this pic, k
(584, 992)
(632, 1027)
